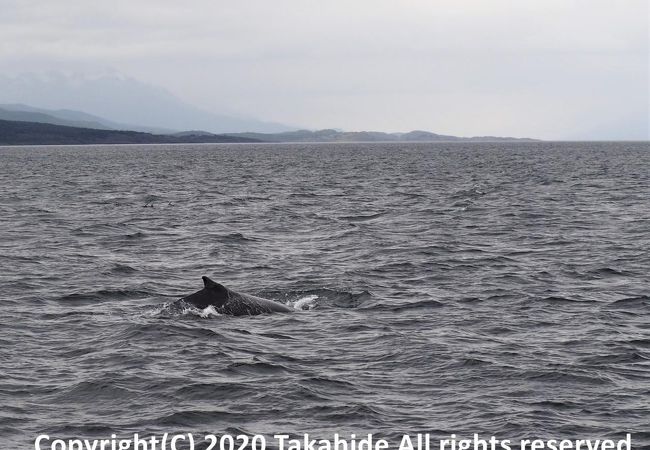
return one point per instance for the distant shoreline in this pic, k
(37, 133)
(22, 133)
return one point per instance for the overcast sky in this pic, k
(552, 69)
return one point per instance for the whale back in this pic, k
(226, 301)
(212, 293)
(249, 305)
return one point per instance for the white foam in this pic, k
(155, 311)
(306, 302)
(208, 312)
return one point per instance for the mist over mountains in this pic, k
(68, 118)
(24, 127)
(330, 135)
(39, 133)
(122, 100)
(61, 109)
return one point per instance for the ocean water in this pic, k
(500, 289)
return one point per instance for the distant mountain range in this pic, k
(27, 125)
(68, 118)
(111, 102)
(330, 135)
(14, 132)
(38, 133)
(121, 100)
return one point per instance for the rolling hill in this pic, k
(36, 133)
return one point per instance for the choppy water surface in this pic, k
(447, 288)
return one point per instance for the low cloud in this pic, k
(551, 69)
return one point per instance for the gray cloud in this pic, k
(545, 68)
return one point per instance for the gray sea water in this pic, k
(501, 289)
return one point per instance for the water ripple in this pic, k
(446, 288)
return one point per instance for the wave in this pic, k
(121, 269)
(94, 390)
(630, 303)
(194, 417)
(233, 238)
(560, 377)
(558, 300)
(419, 305)
(608, 272)
(362, 217)
(103, 295)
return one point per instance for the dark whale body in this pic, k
(226, 301)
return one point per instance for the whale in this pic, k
(226, 301)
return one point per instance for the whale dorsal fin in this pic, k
(219, 292)
(209, 284)
(215, 287)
